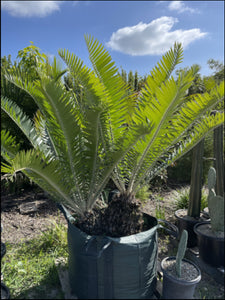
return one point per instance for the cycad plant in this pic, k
(79, 144)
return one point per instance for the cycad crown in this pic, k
(78, 144)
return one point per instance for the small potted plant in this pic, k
(180, 276)
(210, 234)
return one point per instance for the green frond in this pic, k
(100, 95)
(95, 94)
(108, 74)
(178, 126)
(47, 173)
(203, 127)
(169, 148)
(30, 87)
(82, 73)
(162, 72)
(160, 109)
(42, 131)
(9, 148)
(23, 122)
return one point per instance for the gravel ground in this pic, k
(24, 217)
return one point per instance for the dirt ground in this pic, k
(26, 216)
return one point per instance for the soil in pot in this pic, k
(186, 222)
(103, 267)
(122, 217)
(211, 244)
(179, 287)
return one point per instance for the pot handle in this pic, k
(172, 230)
(66, 214)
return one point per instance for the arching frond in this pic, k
(23, 123)
(117, 91)
(9, 147)
(47, 173)
(168, 148)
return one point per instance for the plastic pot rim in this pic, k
(177, 279)
(206, 235)
(122, 238)
(191, 220)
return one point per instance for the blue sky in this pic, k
(136, 33)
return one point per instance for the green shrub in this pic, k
(182, 199)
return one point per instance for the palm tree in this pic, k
(77, 146)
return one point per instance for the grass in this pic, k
(28, 268)
(160, 210)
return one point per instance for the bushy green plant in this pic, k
(78, 145)
(182, 198)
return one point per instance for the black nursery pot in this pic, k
(187, 224)
(176, 288)
(211, 249)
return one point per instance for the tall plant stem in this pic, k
(194, 206)
(219, 160)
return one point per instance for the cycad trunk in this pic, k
(219, 160)
(194, 206)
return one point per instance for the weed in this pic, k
(160, 210)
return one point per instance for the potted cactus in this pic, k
(210, 234)
(180, 276)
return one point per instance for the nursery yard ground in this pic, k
(29, 214)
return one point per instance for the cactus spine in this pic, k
(215, 203)
(181, 251)
(195, 195)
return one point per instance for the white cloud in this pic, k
(180, 7)
(154, 38)
(30, 8)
